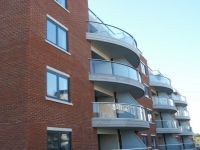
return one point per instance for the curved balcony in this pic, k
(186, 130)
(179, 100)
(163, 104)
(116, 77)
(161, 83)
(167, 127)
(113, 41)
(182, 115)
(119, 115)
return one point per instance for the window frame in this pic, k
(148, 91)
(62, 27)
(58, 132)
(58, 74)
(145, 68)
(66, 7)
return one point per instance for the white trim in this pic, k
(59, 129)
(144, 134)
(62, 6)
(57, 71)
(58, 101)
(57, 22)
(63, 50)
(153, 135)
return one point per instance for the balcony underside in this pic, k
(186, 133)
(120, 123)
(162, 87)
(180, 103)
(168, 130)
(118, 84)
(115, 48)
(183, 117)
(160, 108)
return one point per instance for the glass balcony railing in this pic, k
(182, 113)
(160, 79)
(167, 124)
(178, 98)
(118, 110)
(112, 68)
(186, 128)
(110, 31)
(163, 101)
(189, 145)
(171, 147)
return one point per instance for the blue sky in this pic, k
(168, 34)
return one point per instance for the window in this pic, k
(59, 140)
(145, 139)
(153, 141)
(62, 3)
(57, 35)
(57, 86)
(146, 91)
(143, 68)
(149, 115)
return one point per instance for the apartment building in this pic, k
(70, 81)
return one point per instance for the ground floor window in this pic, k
(58, 140)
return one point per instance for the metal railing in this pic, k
(178, 98)
(112, 68)
(186, 128)
(171, 147)
(189, 145)
(162, 101)
(160, 79)
(167, 124)
(118, 110)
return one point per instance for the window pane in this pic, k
(51, 32)
(65, 141)
(62, 3)
(143, 68)
(63, 88)
(53, 141)
(51, 84)
(62, 38)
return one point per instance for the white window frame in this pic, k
(145, 68)
(66, 9)
(64, 27)
(55, 99)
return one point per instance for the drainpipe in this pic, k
(118, 130)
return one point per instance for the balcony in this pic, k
(179, 100)
(186, 130)
(189, 146)
(118, 115)
(116, 77)
(162, 104)
(167, 127)
(182, 115)
(113, 41)
(161, 83)
(178, 146)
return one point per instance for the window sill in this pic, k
(58, 101)
(57, 47)
(62, 7)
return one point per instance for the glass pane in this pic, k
(51, 32)
(51, 84)
(63, 88)
(62, 3)
(65, 141)
(62, 38)
(53, 141)
(120, 70)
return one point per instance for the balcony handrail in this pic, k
(119, 103)
(178, 98)
(112, 110)
(161, 76)
(136, 75)
(170, 124)
(182, 113)
(91, 59)
(157, 99)
(170, 144)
